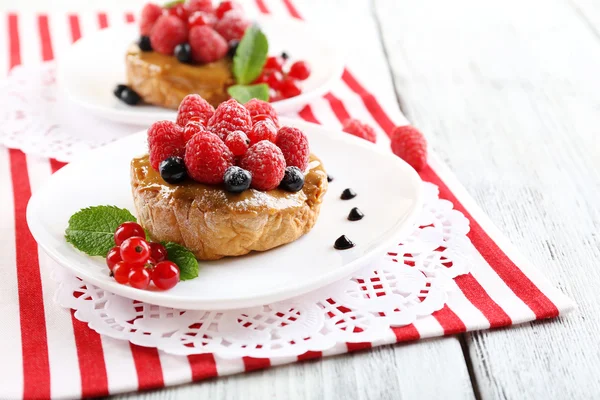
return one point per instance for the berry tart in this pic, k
(192, 47)
(226, 182)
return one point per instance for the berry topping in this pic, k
(263, 109)
(207, 44)
(139, 278)
(229, 116)
(158, 252)
(274, 63)
(121, 272)
(135, 250)
(127, 230)
(294, 146)
(348, 194)
(199, 5)
(299, 70)
(118, 90)
(200, 18)
(343, 243)
(193, 127)
(232, 26)
(150, 14)
(238, 143)
(237, 179)
(266, 163)
(172, 170)
(410, 145)
(113, 257)
(194, 105)
(144, 43)
(168, 32)
(289, 88)
(165, 275)
(355, 214)
(183, 53)
(226, 6)
(207, 158)
(178, 10)
(359, 129)
(165, 139)
(263, 130)
(233, 45)
(293, 179)
(130, 96)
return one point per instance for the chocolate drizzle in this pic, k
(343, 243)
(355, 214)
(348, 194)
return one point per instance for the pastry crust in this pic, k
(213, 223)
(164, 81)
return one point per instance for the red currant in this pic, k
(165, 275)
(262, 78)
(274, 63)
(200, 18)
(135, 250)
(113, 257)
(299, 70)
(226, 6)
(274, 79)
(179, 10)
(289, 88)
(158, 252)
(127, 230)
(139, 278)
(121, 272)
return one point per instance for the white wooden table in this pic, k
(509, 93)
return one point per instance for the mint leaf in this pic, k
(185, 260)
(173, 3)
(245, 93)
(92, 229)
(250, 56)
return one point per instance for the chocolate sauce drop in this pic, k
(348, 194)
(343, 243)
(355, 214)
(329, 178)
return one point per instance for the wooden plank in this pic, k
(509, 95)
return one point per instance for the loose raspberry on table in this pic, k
(266, 163)
(193, 105)
(258, 107)
(149, 15)
(165, 139)
(263, 130)
(193, 127)
(199, 5)
(360, 129)
(232, 26)
(168, 32)
(207, 45)
(409, 144)
(238, 143)
(228, 117)
(294, 146)
(207, 158)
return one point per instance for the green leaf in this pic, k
(173, 3)
(245, 93)
(185, 260)
(92, 229)
(250, 56)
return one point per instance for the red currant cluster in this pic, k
(283, 83)
(135, 261)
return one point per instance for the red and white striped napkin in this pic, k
(47, 353)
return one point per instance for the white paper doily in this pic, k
(411, 281)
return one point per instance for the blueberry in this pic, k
(144, 43)
(233, 45)
(129, 96)
(293, 180)
(172, 170)
(119, 89)
(183, 52)
(237, 179)
(285, 55)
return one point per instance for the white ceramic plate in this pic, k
(94, 65)
(389, 194)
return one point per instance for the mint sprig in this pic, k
(245, 93)
(173, 3)
(92, 229)
(250, 56)
(185, 260)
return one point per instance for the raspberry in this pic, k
(199, 18)
(193, 105)
(410, 145)
(165, 139)
(168, 32)
(199, 5)
(359, 129)
(263, 130)
(226, 6)
(258, 107)
(207, 45)
(232, 26)
(294, 146)
(150, 14)
(230, 116)
(266, 163)
(192, 128)
(207, 158)
(238, 143)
